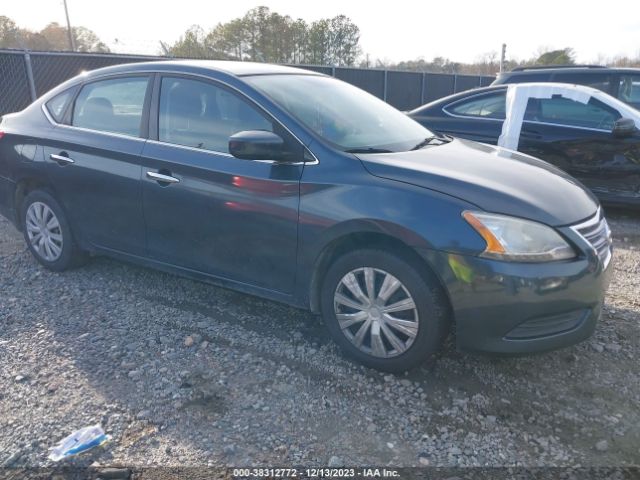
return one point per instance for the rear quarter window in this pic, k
(492, 105)
(57, 106)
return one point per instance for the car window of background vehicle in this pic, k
(488, 106)
(601, 81)
(564, 111)
(113, 105)
(201, 115)
(629, 89)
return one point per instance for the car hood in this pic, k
(492, 178)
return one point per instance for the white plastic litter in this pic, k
(78, 442)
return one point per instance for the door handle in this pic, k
(62, 159)
(160, 178)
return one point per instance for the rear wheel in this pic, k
(382, 311)
(47, 232)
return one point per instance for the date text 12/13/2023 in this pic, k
(239, 473)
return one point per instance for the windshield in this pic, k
(349, 118)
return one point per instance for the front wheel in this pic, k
(382, 311)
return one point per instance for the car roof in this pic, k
(228, 67)
(457, 96)
(583, 69)
(622, 107)
(503, 86)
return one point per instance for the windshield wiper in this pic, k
(430, 140)
(368, 150)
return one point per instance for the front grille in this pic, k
(596, 231)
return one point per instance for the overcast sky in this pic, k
(460, 30)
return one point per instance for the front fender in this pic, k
(361, 203)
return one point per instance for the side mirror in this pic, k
(256, 145)
(624, 127)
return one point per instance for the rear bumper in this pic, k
(519, 308)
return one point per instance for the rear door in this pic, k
(93, 161)
(577, 138)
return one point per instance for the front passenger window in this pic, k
(202, 115)
(113, 105)
(559, 110)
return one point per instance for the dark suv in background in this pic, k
(622, 83)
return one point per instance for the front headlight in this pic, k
(518, 240)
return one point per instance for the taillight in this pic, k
(1, 134)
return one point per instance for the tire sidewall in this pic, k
(66, 257)
(432, 312)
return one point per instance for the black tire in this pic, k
(71, 256)
(429, 299)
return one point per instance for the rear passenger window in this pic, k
(595, 80)
(202, 115)
(113, 105)
(629, 89)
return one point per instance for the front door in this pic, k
(208, 211)
(577, 137)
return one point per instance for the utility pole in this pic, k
(72, 43)
(503, 56)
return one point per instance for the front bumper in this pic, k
(517, 308)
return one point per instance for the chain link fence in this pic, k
(14, 83)
(24, 76)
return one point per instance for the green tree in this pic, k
(226, 41)
(319, 45)
(191, 44)
(87, 41)
(300, 39)
(344, 41)
(52, 37)
(10, 34)
(565, 56)
(265, 36)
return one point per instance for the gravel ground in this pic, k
(182, 373)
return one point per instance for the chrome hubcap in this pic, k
(376, 312)
(44, 232)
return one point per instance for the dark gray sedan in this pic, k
(303, 189)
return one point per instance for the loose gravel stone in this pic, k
(261, 384)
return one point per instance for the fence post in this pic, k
(422, 85)
(333, 71)
(455, 83)
(384, 86)
(32, 85)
